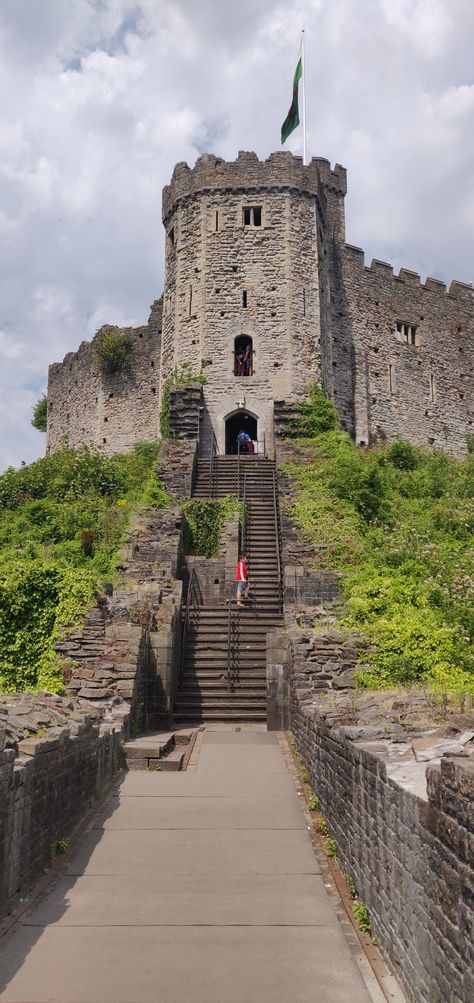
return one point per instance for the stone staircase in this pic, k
(224, 663)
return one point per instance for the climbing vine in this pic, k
(202, 523)
(37, 599)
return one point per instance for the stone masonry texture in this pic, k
(256, 249)
(113, 412)
(404, 832)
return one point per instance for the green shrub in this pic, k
(403, 537)
(318, 415)
(402, 455)
(40, 414)
(112, 346)
(361, 483)
(63, 520)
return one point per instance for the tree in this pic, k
(40, 414)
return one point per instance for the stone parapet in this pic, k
(48, 780)
(400, 812)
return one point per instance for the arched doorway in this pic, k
(240, 421)
(243, 356)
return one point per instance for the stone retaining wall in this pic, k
(46, 786)
(404, 831)
(176, 466)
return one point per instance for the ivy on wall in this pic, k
(202, 523)
(36, 600)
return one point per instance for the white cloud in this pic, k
(106, 95)
(10, 348)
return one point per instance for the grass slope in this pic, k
(398, 522)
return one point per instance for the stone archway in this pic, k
(239, 421)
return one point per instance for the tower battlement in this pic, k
(457, 290)
(279, 170)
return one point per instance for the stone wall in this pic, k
(110, 412)
(47, 783)
(176, 466)
(186, 407)
(403, 829)
(385, 387)
(128, 645)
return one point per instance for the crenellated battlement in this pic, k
(280, 170)
(457, 290)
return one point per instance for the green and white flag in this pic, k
(293, 118)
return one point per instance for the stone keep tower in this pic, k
(256, 261)
(246, 267)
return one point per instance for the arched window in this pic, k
(243, 356)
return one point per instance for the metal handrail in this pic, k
(238, 470)
(193, 601)
(229, 629)
(214, 454)
(277, 539)
(243, 531)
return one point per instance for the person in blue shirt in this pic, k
(243, 440)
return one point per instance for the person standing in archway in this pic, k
(247, 361)
(243, 440)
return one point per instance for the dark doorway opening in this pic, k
(243, 356)
(239, 422)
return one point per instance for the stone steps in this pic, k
(218, 682)
(158, 751)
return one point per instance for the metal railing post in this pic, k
(277, 540)
(193, 601)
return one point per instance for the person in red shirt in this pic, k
(242, 579)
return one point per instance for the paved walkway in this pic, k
(199, 886)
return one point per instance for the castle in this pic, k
(263, 296)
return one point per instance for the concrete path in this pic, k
(200, 886)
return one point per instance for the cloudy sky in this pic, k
(99, 99)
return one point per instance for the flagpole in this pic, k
(303, 68)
